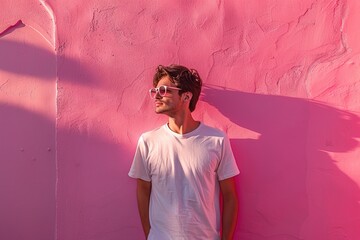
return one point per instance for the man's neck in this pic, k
(183, 125)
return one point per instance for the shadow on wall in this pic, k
(95, 196)
(27, 175)
(88, 187)
(290, 187)
(20, 58)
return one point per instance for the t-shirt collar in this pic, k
(186, 135)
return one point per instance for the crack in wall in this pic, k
(11, 28)
(3, 84)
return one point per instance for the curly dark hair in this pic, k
(186, 79)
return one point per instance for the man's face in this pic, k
(171, 102)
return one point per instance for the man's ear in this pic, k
(187, 96)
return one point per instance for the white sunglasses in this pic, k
(162, 90)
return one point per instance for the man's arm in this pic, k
(230, 208)
(143, 199)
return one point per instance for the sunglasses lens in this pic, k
(162, 90)
(153, 92)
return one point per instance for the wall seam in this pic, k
(54, 44)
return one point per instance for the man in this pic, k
(182, 167)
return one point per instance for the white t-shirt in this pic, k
(185, 170)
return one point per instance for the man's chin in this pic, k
(159, 111)
(162, 111)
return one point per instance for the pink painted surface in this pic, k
(27, 126)
(281, 78)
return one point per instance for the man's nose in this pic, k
(157, 95)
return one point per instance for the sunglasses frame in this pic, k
(154, 91)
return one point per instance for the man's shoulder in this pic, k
(152, 133)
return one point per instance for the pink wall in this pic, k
(27, 125)
(281, 78)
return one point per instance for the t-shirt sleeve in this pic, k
(227, 166)
(139, 168)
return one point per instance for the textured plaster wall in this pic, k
(27, 122)
(281, 78)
